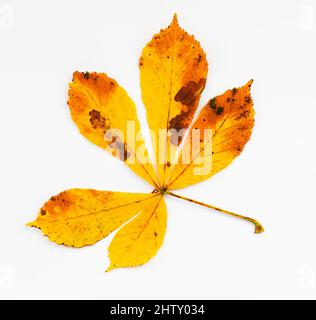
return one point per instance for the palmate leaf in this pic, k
(173, 70)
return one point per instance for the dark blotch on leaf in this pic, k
(86, 75)
(247, 99)
(120, 149)
(188, 93)
(219, 110)
(96, 120)
(213, 103)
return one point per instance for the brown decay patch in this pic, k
(120, 149)
(62, 200)
(96, 120)
(104, 196)
(187, 96)
(243, 128)
(213, 103)
(243, 114)
(248, 99)
(176, 136)
(86, 75)
(112, 84)
(219, 110)
(189, 92)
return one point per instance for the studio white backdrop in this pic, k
(205, 255)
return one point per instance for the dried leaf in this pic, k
(81, 217)
(230, 117)
(139, 240)
(173, 70)
(98, 106)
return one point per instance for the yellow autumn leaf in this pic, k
(136, 242)
(99, 106)
(230, 117)
(81, 217)
(173, 70)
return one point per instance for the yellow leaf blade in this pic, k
(81, 217)
(230, 116)
(173, 70)
(139, 240)
(106, 115)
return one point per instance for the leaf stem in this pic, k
(258, 227)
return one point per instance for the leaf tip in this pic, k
(75, 74)
(175, 20)
(110, 268)
(30, 224)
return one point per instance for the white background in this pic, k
(205, 255)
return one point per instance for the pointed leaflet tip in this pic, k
(246, 86)
(110, 268)
(30, 224)
(175, 20)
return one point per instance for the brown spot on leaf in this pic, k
(96, 120)
(213, 103)
(248, 99)
(176, 124)
(177, 132)
(188, 93)
(187, 96)
(86, 75)
(243, 114)
(219, 110)
(120, 149)
(62, 201)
